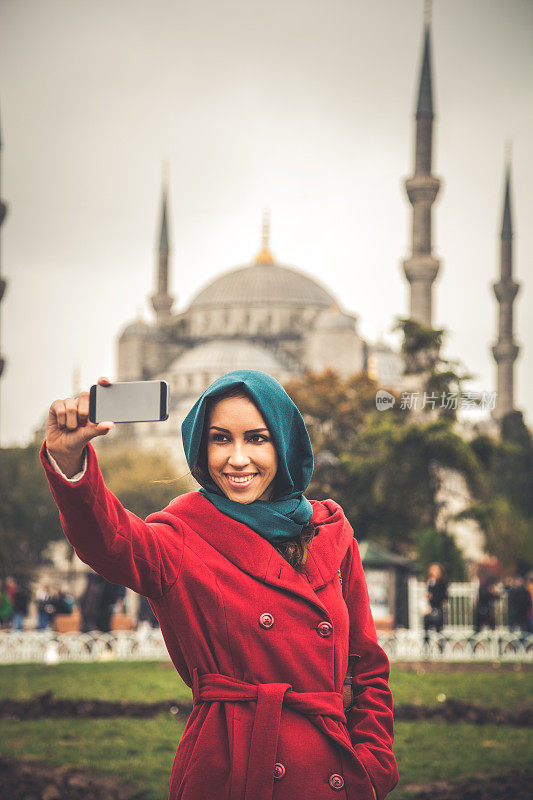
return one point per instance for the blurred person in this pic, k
(146, 617)
(11, 588)
(436, 596)
(21, 600)
(111, 595)
(260, 594)
(518, 603)
(63, 601)
(6, 609)
(90, 602)
(45, 607)
(488, 593)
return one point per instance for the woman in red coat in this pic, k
(260, 595)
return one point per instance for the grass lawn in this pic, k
(142, 751)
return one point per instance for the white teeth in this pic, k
(244, 479)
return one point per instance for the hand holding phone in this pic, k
(68, 430)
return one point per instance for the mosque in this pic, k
(273, 317)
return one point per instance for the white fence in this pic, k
(459, 609)
(47, 647)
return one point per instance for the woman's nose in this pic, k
(238, 456)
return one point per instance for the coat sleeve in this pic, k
(369, 719)
(143, 555)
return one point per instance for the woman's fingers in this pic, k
(59, 411)
(71, 406)
(83, 408)
(104, 382)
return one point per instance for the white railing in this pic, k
(458, 610)
(48, 647)
(455, 644)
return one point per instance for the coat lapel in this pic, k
(256, 556)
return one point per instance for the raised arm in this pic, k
(144, 555)
(369, 719)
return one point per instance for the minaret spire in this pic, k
(421, 267)
(161, 300)
(3, 283)
(265, 256)
(505, 351)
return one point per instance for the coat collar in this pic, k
(255, 555)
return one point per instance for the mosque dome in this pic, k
(262, 283)
(223, 355)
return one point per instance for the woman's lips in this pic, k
(240, 481)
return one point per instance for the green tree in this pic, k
(504, 507)
(29, 520)
(438, 546)
(440, 378)
(379, 465)
(28, 514)
(144, 482)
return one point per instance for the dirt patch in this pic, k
(46, 705)
(31, 780)
(420, 667)
(514, 785)
(462, 711)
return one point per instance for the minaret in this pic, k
(3, 283)
(421, 267)
(505, 350)
(162, 301)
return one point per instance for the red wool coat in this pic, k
(263, 647)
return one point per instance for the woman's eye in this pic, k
(257, 437)
(218, 437)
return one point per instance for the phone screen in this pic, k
(131, 401)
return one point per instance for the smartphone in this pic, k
(129, 401)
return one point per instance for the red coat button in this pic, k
(266, 620)
(336, 781)
(279, 771)
(325, 628)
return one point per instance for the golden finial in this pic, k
(265, 256)
(427, 12)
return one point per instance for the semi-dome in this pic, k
(263, 284)
(139, 328)
(219, 356)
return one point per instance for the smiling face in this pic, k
(241, 456)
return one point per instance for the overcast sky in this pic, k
(302, 106)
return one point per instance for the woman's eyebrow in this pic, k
(225, 430)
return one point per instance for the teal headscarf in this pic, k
(286, 515)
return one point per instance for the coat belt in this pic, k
(215, 687)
